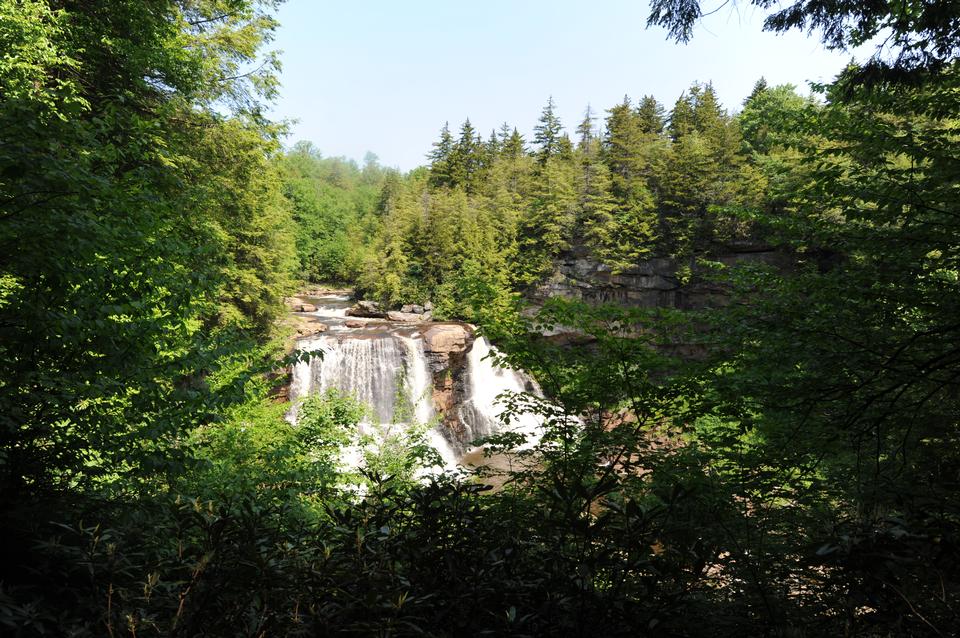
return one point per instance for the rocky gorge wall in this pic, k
(654, 283)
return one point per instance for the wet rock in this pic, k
(307, 307)
(412, 309)
(369, 309)
(443, 342)
(445, 347)
(312, 328)
(393, 315)
(354, 324)
(293, 303)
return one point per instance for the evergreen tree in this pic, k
(652, 116)
(550, 219)
(708, 116)
(547, 133)
(585, 130)
(440, 170)
(597, 205)
(514, 146)
(565, 148)
(758, 88)
(463, 158)
(623, 148)
(493, 145)
(682, 118)
(773, 117)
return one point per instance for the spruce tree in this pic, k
(585, 130)
(708, 116)
(652, 116)
(547, 133)
(514, 146)
(682, 118)
(464, 157)
(440, 158)
(493, 145)
(622, 147)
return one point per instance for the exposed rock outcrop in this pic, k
(402, 316)
(444, 341)
(446, 347)
(293, 303)
(310, 328)
(368, 309)
(652, 284)
(296, 304)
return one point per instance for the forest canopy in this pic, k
(777, 456)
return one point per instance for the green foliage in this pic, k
(128, 271)
(785, 463)
(497, 210)
(919, 38)
(335, 209)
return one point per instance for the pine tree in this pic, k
(623, 148)
(682, 118)
(652, 116)
(585, 130)
(547, 133)
(440, 158)
(514, 146)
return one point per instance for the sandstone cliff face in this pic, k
(651, 284)
(446, 347)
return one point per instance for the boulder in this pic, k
(369, 309)
(312, 328)
(427, 307)
(293, 303)
(444, 341)
(307, 307)
(412, 309)
(445, 347)
(393, 315)
(354, 324)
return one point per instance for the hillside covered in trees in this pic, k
(795, 473)
(494, 214)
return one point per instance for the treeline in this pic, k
(145, 247)
(798, 478)
(495, 213)
(335, 205)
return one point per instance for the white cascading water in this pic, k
(481, 411)
(380, 366)
(376, 371)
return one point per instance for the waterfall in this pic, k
(384, 366)
(387, 372)
(375, 370)
(480, 412)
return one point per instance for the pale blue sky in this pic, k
(383, 75)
